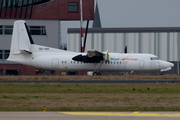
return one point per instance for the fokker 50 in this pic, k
(24, 51)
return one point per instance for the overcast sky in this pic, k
(133, 13)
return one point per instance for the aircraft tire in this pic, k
(95, 74)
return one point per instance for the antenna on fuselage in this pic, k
(125, 49)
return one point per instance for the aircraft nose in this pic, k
(171, 65)
(167, 64)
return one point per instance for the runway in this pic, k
(89, 115)
(94, 81)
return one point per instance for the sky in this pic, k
(132, 13)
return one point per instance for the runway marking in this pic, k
(125, 114)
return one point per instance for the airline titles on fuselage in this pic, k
(132, 59)
(129, 59)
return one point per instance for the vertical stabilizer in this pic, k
(21, 39)
(23, 36)
(15, 37)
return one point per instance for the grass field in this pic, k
(89, 97)
(104, 77)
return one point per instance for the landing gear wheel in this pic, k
(95, 73)
(99, 73)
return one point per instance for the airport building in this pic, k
(43, 19)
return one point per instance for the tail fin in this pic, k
(21, 39)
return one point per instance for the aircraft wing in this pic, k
(92, 56)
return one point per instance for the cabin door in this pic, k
(141, 64)
(55, 63)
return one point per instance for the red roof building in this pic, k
(43, 19)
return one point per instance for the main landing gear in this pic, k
(97, 68)
(96, 73)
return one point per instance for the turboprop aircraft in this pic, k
(24, 51)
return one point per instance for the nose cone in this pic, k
(171, 65)
(166, 64)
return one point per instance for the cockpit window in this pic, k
(154, 58)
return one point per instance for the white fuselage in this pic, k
(24, 51)
(55, 59)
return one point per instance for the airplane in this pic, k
(24, 51)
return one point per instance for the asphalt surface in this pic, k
(89, 115)
(95, 81)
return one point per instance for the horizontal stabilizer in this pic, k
(27, 51)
